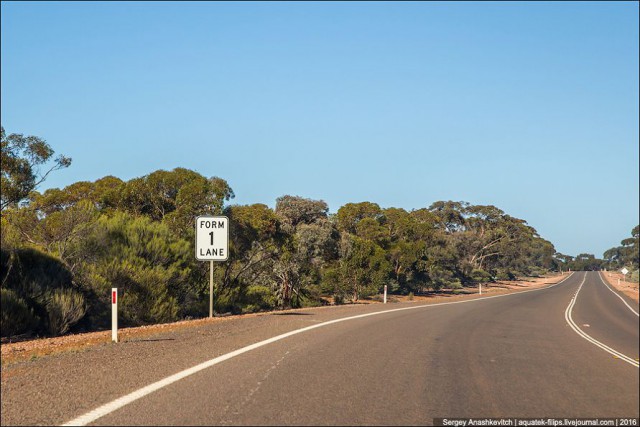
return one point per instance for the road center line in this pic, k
(569, 319)
(133, 396)
(616, 294)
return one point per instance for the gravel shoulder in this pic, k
(618, 281)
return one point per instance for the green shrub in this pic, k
(65, 307)
(17, 318)
(480, 276)
(259, 298)
(410, 296)
(454, 284)
(504, 274)
(338, 299)
(537, 271)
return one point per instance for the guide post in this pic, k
(212, 244)
(114, 314)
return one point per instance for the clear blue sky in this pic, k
(532, 107)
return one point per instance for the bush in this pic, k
(480, 276)
(537, 272)
(338, 299)
(454, 284)
(410, 296)
(17, 318)
(259, 298)
(65, 308)
(504, 274)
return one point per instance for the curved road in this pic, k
(506, 356)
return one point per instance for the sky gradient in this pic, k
(531, 107)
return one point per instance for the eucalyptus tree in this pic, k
(349, 215)
(20, 160)
(627, 254)
(175, 197)
(309, 242)
(362, 268)
(254, 244)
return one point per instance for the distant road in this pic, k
(531, 354)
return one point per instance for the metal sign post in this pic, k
(211, 288)
(212, 244)
(624, 272)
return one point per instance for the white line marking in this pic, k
(616, 294)
(567, 316)
(131, 397)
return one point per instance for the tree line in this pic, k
(63, 250)
(626, 255)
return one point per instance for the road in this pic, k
(508, 356)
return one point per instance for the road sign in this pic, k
(212, 244)
(624, 271)
(212, 238)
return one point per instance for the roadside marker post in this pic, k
(212, 244)
(114, 314)
(624, 272)
(480, 288)
(385, 294)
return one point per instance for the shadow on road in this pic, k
(292, 314)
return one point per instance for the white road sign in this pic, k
(624, 271)
(212, 238)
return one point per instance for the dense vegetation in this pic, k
(63, 249)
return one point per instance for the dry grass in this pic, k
(12, 352)
(617, 280)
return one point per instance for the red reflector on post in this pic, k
(113, 297)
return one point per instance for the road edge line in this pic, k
(616, 294)
(584, 335)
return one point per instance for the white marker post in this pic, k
(114, 314)
(385, 294)
(212, 244)
(480, 288)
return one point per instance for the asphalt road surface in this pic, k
(509, 356)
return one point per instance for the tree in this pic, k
(175, 197)
(409, 234)
(21, 158)
(584, 262)
(351, 214)
(308, 241)
(294, 210)
(254, 242)
(627, 254)
(363, 267)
